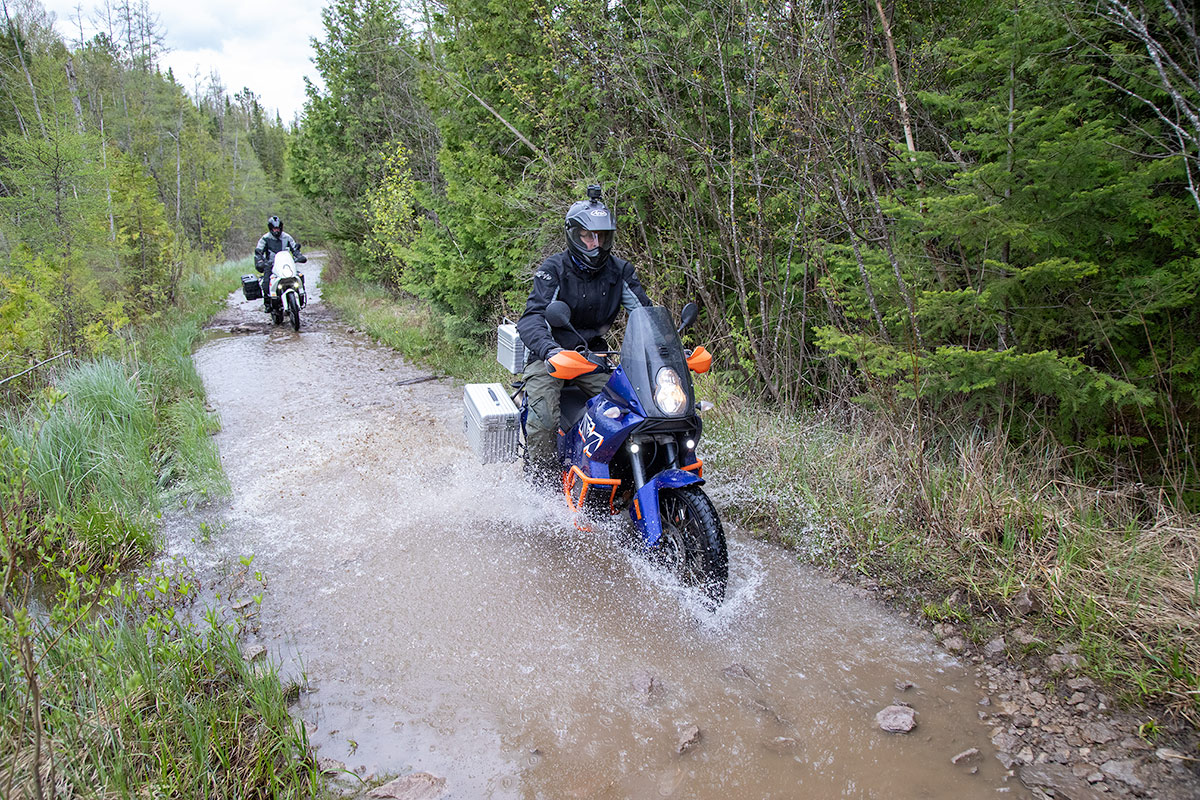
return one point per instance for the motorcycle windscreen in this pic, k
(651, 345)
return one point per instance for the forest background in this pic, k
(957, 244)
(117, 183)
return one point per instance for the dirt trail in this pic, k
(448, 620)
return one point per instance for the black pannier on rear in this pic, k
(251, 288)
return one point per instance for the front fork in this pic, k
(644, 510)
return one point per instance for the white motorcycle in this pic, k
(286, 293)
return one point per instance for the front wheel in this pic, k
(692, 546)
(294, 310)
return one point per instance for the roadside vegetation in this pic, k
(107, 684)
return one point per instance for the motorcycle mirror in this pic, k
(691, 312)
(558, 314)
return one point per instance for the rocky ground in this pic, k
(1061, 734)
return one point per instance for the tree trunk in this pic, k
(24, 67)
(905, 119)
(862, 268)
(73, 84)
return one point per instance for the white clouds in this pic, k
(261, 46)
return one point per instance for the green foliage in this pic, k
(145, 242)
(1015, 245)
(391, 218)
(367, 108)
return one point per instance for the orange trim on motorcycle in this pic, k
(568, 481)
(568, 364)
(698, 468)
(575, 476)
(700, 360)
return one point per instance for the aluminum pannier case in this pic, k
(510, 350)
(491, 421)
(251, 287)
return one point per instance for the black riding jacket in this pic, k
(269, 245)
(594, 299)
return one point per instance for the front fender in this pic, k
(300, 298)
(644, 508)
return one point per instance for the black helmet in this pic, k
(590, 215)
(275, 225)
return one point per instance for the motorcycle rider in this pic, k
(595, 284)
(272, 242)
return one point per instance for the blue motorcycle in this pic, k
(633, 447)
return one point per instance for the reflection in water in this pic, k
(449, 620)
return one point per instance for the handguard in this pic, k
(700, 360)
(568, 364)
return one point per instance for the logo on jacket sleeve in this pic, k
(546, 276)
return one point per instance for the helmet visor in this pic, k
(587, 240)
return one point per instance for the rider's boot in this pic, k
(543, 475)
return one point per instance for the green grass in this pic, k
(105, 689)
(413, 330)
(114, 695)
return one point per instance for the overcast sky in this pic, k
(263, 46)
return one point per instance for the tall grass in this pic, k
(115, 437)
(104, 690)
(110, 693)
(1111, 570)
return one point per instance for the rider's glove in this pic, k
(549, 355)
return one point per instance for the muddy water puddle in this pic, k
(448, 620)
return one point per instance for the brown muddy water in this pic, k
(448, 620)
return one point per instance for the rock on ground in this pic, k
(897, 719)
(417, 786)
(689, 737)
(1058, 778)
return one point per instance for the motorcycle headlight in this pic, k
(669, 395)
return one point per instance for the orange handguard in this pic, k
(700, 360)
(568, 364)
